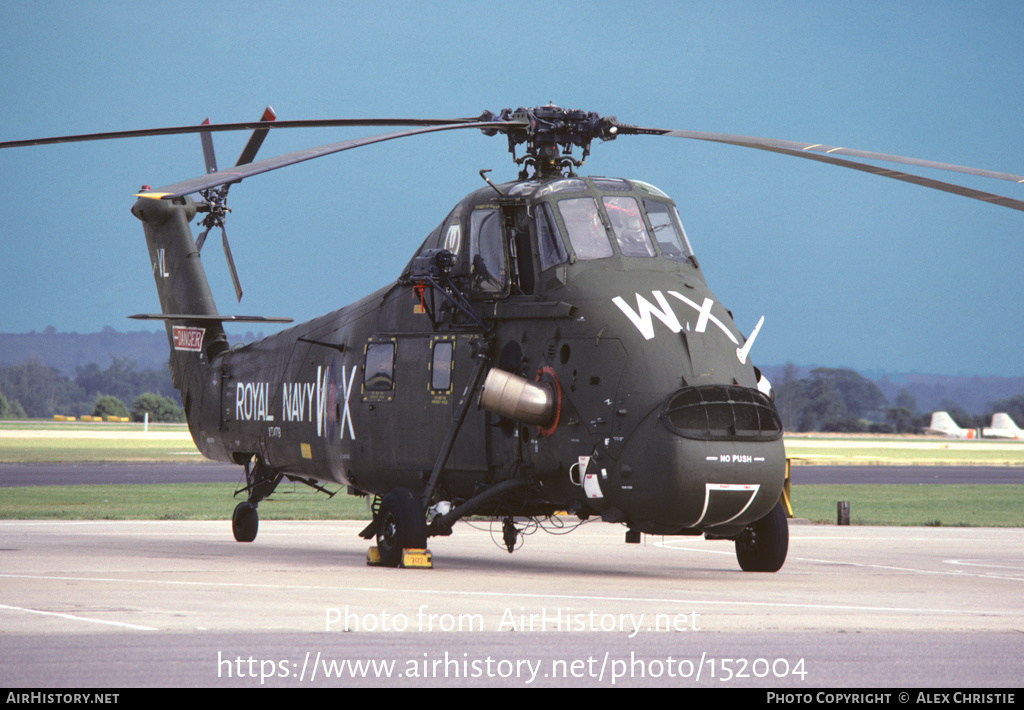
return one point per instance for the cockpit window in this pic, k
(550, 247)
(521, 189)
(628, 225)
(586, 230)
(567, 185)
(668, 230)
(611, 184)
(648, 188)
(487, 251)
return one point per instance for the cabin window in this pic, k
(379, 372)
(585, 228)
(487, 252)
(549, 244)
(441, 366)
(628, 225)
(520, 246)
(668, 230)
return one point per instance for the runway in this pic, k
(93, 474)
(121, 604)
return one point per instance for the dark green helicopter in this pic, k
(551, 346)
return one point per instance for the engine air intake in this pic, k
(722, 413)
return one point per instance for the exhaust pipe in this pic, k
(518, 399)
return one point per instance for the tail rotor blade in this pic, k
(211, 167)
(231, 263)
(217, 196)
(202, 239)
(256, 139)
(207, 138)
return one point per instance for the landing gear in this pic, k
(245, 522)
(510, 534)
(763, 545)
(260, 480)
(400, 524)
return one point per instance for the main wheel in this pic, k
(401, 523)
(763, 545)
(245, 522)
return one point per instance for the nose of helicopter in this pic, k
(711, 459)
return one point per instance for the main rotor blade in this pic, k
(988, 197)
(771, 144)
(245, 126)
(826, 154)
(238, 173)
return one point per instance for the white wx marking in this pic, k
(645, 311)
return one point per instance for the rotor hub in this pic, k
(550, 133)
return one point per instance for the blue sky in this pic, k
(848, 269)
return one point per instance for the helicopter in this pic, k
(551, 349)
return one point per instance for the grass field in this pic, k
(935, 505)
(78, 442)
(916, 451)
(949, 505)
(87, 450)
(191, 501)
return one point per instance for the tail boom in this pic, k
(194, 329)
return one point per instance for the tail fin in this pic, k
(1003, 427)
(1002, 420)
(194, 329)
(944, 425)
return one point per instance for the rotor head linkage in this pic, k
(550, 132)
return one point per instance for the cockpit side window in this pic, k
(668, 230)
(628, 225)
(488, 273)
(549, 243)
(586, 230)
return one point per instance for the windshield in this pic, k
(586, 230)
(668, 230)
(549, 245)
(628, 225)
(616, 217)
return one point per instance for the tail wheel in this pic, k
(401, 524)
(245, 522)
(762, 547)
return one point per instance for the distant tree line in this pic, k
(32, 389)
(841, 400)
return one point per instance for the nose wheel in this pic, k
(260, 482)
(245, 522)
(763, 545)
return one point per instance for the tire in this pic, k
(245, 522)
(401, 524)
(762, 547)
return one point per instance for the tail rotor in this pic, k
(216, 197)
